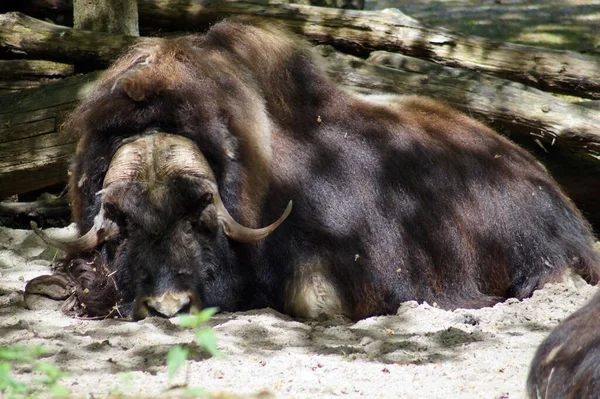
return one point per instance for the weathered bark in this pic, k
(506, 105)
(362, 31)
(592, 104)
(47, 208)
(112, 16)
(35, 153)
(34, 68)
(11, 85)
(31, 38)
(63, 9)
(25, 74)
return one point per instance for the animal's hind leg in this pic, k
(311, 294)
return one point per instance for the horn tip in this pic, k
(288, 209)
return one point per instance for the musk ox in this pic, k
(567, 363)
(188, 146)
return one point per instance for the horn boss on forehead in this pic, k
(156, 158)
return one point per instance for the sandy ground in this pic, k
(422, 352)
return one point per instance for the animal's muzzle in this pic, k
(167, 304)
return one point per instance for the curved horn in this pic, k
(158, 156)
(126, 164)
(180, 155)
(85, 243)
(129, 162)
(241, 233)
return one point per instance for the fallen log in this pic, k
(493, 99)
(364, 31)
(27, 37)
(46, 208)
(505, 105)
(498, 102)
(25, 74)
(34, 68)
(35, 153)
(11, 85)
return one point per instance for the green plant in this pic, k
(10, 387)
(205, 337)
(50, 379)
(178, 355)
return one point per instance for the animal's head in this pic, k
(162, 224)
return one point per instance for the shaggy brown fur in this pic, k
(395, 198)
(567, 364)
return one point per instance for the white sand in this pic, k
(423, 352)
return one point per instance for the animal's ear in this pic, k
(134, 86)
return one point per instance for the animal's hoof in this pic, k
(54, 286)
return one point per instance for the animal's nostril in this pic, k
(169, 303)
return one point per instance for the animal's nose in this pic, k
(166, 304)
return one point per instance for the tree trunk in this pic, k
(112, 16)
(363, 31)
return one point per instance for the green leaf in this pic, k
(8, 381)
(206, 314)
(194, 320)
(58, 391)
(52, 372)
(175, 359)
(21, 353)
(188, 320)
(5, 376)
(193, 392)
(207, 338)
(126, 381)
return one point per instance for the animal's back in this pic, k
(401, 198)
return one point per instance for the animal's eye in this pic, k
(146, 279)
(192, 222)
(205, 230)
(206, 199)
(210, 275)
(113, 213)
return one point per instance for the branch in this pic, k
(48, 208)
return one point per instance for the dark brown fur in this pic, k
(567, 363)
(395, 199)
